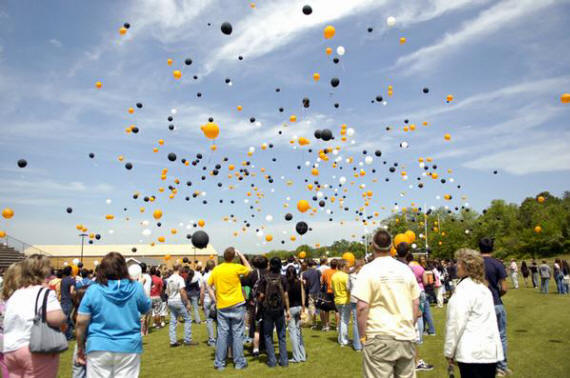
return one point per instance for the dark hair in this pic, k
(76, 298)
(260, 262)
(229, 254)
(210, 265)
(275, 265)
(66, 271)
(523, 264)
(409, 257)
(486, 245)
(291, 274)
(153, 270)
(340, 264)
(403, 248)
(334, 264)
(112, 267)
(324, 260)
(190, 274)
(312, 262)
(291, 259)
(84, 273)
(381, 242)
(143, 267)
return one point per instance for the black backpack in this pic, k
(273, 300)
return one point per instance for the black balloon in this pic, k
(307, 10)
(172, 156)
(301, 228)
(139, 105)
(200, 239)
(378, 153)
(91, 155)
(22, 163)
(288, 216)
(318, 134)
(335, 82)
(326, 135)
(227, 28)
(129, 166)
(379, 98)
(426, 90)
(188, 61)
(69, 210)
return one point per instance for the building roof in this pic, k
(100, 250)
(149, 261)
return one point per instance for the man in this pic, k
(514, 273)
(387, 309)
(534, 273)
(291, 261)
(496, 275)
(254, 310)
(67, 290)
(452, 271)
(178, 305)
(323, 264)
(230, 304)
(155, 295)
(329, 296)
(339, 283)
(545, 274)
(312, 281)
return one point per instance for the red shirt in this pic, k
(156, 287)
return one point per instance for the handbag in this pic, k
(45, 338)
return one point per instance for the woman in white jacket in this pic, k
(472, 334)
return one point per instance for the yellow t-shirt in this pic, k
(389, 287)
(225, 278)
(339, 282)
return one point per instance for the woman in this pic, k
(525, 273)
(472, 335)
(109, 317)
(19, 318)
(566, 277)
(207, 302)
(296, 292)
(438, 284)
(11, 283)
(351, 283)
(558, 276)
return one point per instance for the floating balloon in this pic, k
(411, 236)
(301, 228)
(7, 213)
(538, 229)
(565, 98)
(200, 239)
(307, 10)
(211, 130)
(98, 85)
(316, 76)
(402, 40)
(391, 21)
(342, 180)
(201, 223)
(226, 28)
(449, 98)
(2, 234)
(399, 238)
(269, 218)
(177, 74)
(447, 137)
(328, 51)
(540, 199)
(288, 216)
(302, 254)
(329, 32)
(303, 206)
(22, 163)
(326, 135)
(268, 238)
(340, 50)
(368, 160)
(172, 156)
(157, 214)
(335, 82)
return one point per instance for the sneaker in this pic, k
(174, 345)
(504, 373)
(190, 343)
(423, 366)
(326, 329)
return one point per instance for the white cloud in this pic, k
(55, 43)
(488, 22)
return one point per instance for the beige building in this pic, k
(61, 255)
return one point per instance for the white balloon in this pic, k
(75, 261)
(350, 131)
(368, 160)
(108, 201)
(340, 50)
(96, 262)
(342, 180)
(391, 21)
(320, 194)
(404, 144)
(269, 218)
(173, 111)
(252, 149)
(111, 232)
(145, 223)
(414, 246)
(146, 232)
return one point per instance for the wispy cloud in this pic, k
(55, 42)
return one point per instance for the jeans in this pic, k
(420, 330)
(544, 285)
(559, 283)
(296, 336)
(515, 279)
(565, 286)
(502, 323)
(194, 304)
(231, 325)
(177, 308)
(67, 307)
(344, 315)
(535, 279)
(355, 335)
(277, 321)
(209, 322)
(427, 313)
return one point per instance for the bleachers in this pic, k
(9, 255)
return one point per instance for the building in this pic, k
(61, 255)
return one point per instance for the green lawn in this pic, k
(538, 329)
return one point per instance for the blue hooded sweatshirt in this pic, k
(115, 311)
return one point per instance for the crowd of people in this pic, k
(388, 298)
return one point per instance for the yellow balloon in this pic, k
(7, 213)
(268, 238)
(328, 50)
(201, 223)
(157, 214)
(538, 229)
(317, 76)
(293, 118)
(401, 238)
(303, 206)
(177, 74)
(122, 30)
(329, 32)
(411, 236)
(302, 254)
(98, 85)
(540, 199)
(349, 258)
(402, 40)
(447, 137)
(565, 98)
(449, 98)
(211, 130)
(2, 234)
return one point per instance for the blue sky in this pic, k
(506, 64)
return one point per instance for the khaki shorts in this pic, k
(312, 303)
(386, 357)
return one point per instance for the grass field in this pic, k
(538, 333)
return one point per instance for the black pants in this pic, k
(477, 370)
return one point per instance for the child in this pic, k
(77, 370)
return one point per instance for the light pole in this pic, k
(82, 241)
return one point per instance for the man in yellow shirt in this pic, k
(230, 303)
(339, 283)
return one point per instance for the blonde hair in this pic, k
(35, 269)
(473, 264)
(12, 280)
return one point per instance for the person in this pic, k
(525, 273)
(109, 337)
(78, 369)
(534, 273)
(260, 263)
(545, 274)
(329, 296)
(496, 275)
(193, 291)
(207, 302)
(156, 289)
(323, 264)
(67, 289)
(438, 284)
(387, 309)
(558, 276)
(471, 332)
(339, 283)
(514, 273)
(84, 281)
(178, 305)
(146, 281)
(291, 261)
(10, 283)
(19, 317)
(230, 304)
(421, 279)
(312, 283)
(296, 292)
(273, 294)
(352, 277)
(452, 271)
(566, 276)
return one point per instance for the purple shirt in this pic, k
(418, 272)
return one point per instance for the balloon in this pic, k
(166, 257)
(7, 213)
(303, 141)
(226, 28)
(288, 216)
(449, 98)
(2, 234)
(303, 206)
(342, 180)
(318, 134)
(391, 21)
(302, 254)
(169, 61)
(368, 160)
(349, 258)
(402, 40)
(565, 98)
(269, 218)
(335, 82)
(540, 199)
(426, 90)
(200, 239)
(109, 217)
(307, 10)
(122, 30)
(293, 118)
(74, 269)
(316, 76)
(201, 223)
(329, 32)
(268, 238)
(538, 229)
(401, 238)
(350, 131)
(340, 50)
(211, 130)
(447, 137)
(98, 85)
(157, 214)
(404, 144)
(172, 156)
(326, 135)
(177, 74)
(161, 239)
(378, 153)
(146, 232)
(328, 51)
(22, 163)
(75, 261)
(301, 228)
(411, 236)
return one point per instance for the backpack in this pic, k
(273, 300)
(254, 293)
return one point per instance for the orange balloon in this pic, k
(98, 85)
(447, 137)
(303, 206)
(109, 216)
(293, 118)
(329, 32)
(316, 75)
(7, 213)
(303, 141)
(565, 98)
(302, 254)
(169, 62)
(538, 229)
(268, 238)
(411, 235)
(210, 130)
(122, 30)
(239, 108)
(167, 257)
(402, 40)
(157, 214)
(540, 199)
(201, 223)
(177, 74)
(328, 51)
(449, 98)
(161, 239)
(2, 234)
(401, 238)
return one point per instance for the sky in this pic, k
(504, 62)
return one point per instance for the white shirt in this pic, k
(147, 283)
(197, 278)
(19, 316)
(204, 284)
(322, 268)
(173, 286)
(471, 331)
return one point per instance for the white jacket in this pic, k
(471, 331)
